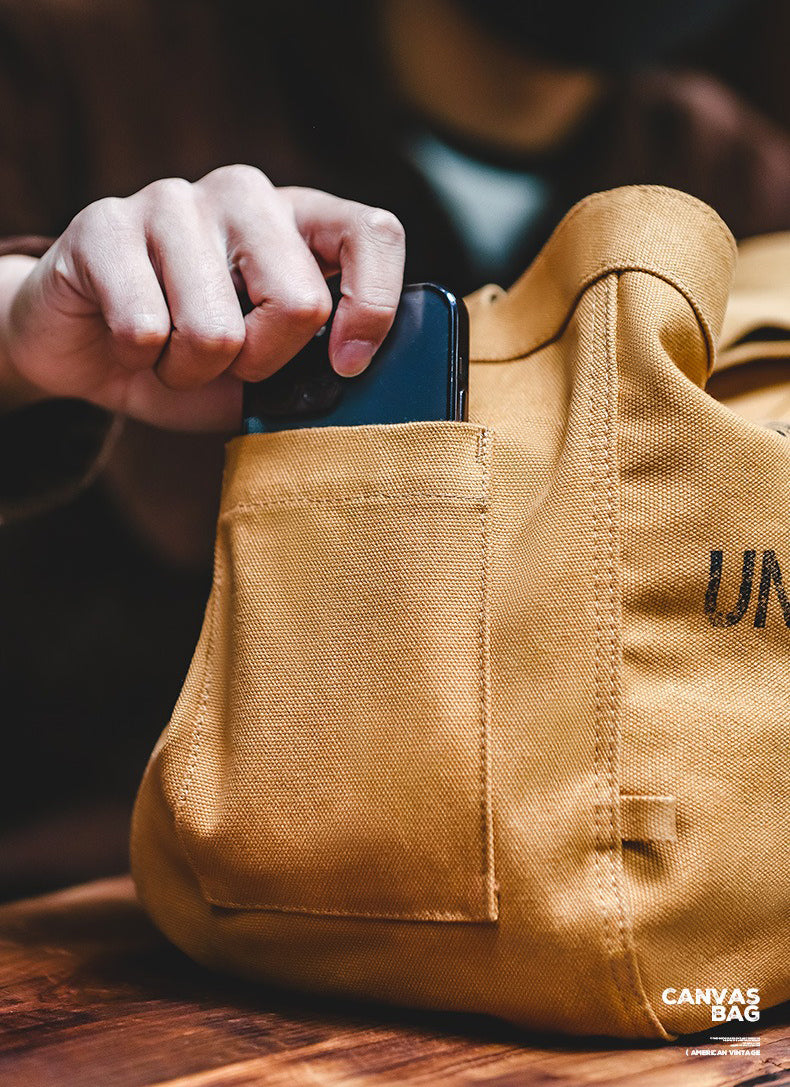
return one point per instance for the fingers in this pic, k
(290, 298)
(156, 269)
(126, 290)
(367, 245)
(164, 266)
(188, 252)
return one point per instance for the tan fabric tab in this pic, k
(648, 819)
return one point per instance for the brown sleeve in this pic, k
(689, 131)
(51, 451)
(26, 245)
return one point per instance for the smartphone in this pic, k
(420, 372)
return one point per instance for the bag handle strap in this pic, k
(644, 228)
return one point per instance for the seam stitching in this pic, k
(474, 918)
(200, 716)
(611, 710)
(296, 502)
(596, 446)
(485, 691)
(598, 811)
(615, 851)
(619, 941)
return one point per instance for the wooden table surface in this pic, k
(90, 994)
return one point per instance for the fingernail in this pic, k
(352, 357)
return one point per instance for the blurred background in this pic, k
(478, 124)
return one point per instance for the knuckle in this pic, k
(102, 217)
(169, 190)
(240, 175)
(383, 226)
(227, 341)
(212, 339)
(140, 333)
(292, 194)
(310, 308)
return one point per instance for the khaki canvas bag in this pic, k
(493, 716)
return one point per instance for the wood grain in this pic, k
(91, 994)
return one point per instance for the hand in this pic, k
(136, 305)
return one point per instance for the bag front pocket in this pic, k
(338, 758)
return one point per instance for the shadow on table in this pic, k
(104, 951)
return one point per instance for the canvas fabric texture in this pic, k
(491, 716)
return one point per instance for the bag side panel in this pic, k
(705, 716)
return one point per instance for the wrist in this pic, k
(16, 391)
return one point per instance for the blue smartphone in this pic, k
(420, 372)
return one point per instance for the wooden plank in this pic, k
(91, 994)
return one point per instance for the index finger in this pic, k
(367, 246)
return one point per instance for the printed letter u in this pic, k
(728, 619)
